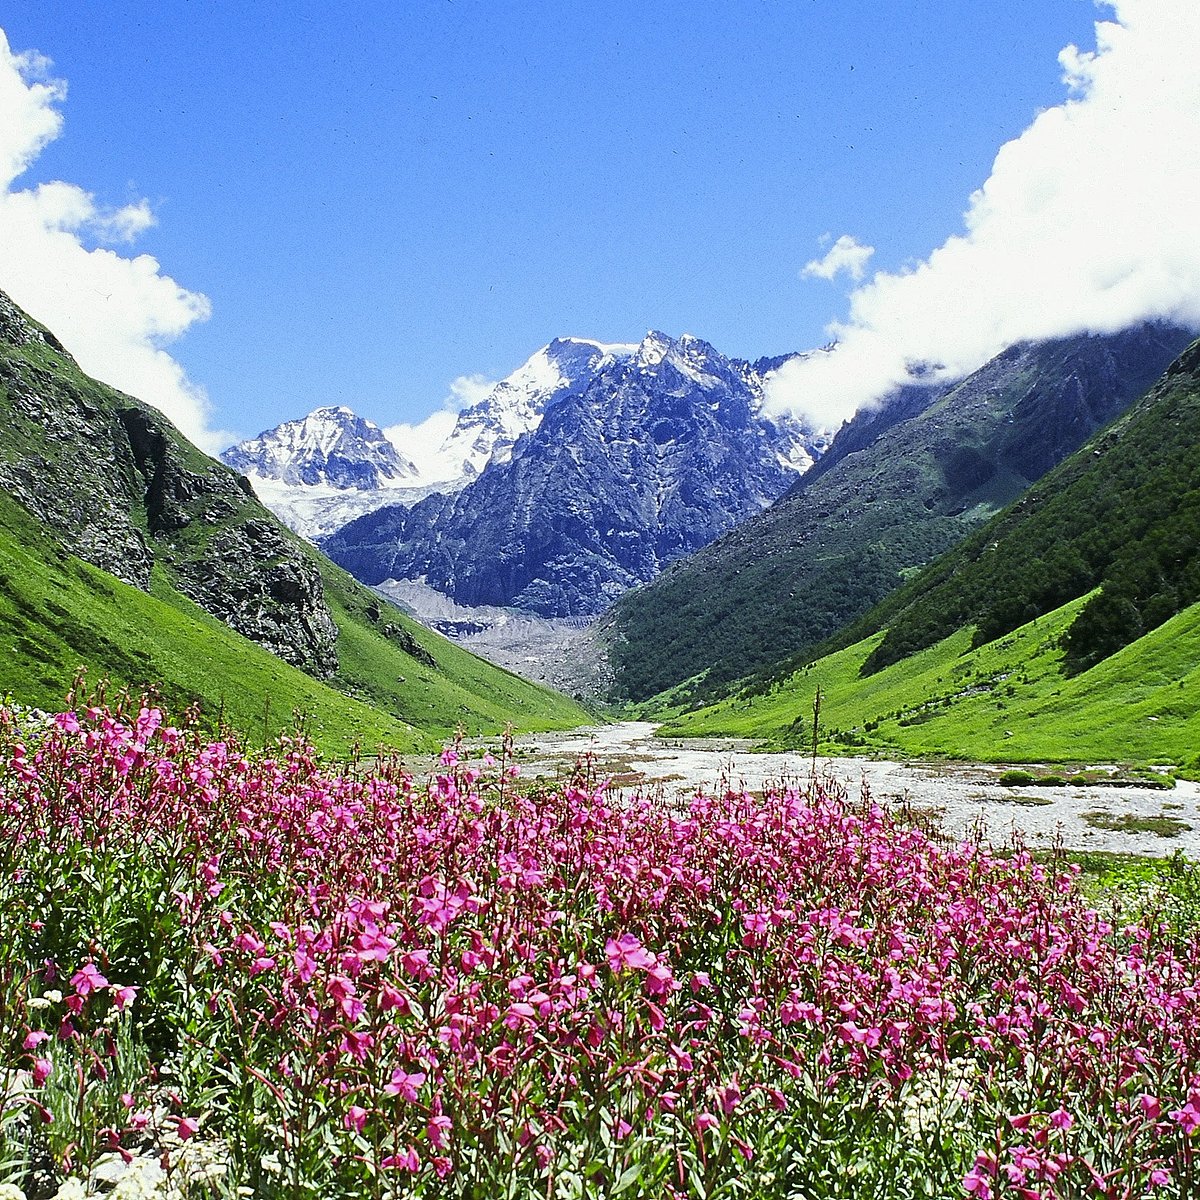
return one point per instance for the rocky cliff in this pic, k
(125, 491)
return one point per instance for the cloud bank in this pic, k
(422, 442)
(58, 261)
(1089, 221)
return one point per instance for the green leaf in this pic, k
(628, 1178)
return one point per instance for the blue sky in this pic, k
(380, 197)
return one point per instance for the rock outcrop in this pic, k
(123, 490)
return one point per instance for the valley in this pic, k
(559, 756)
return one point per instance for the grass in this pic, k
(1162, 826)
(1007, 701)
(58, 614)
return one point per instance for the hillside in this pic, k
(1007, 701)
(1122, 516)
(127, 551)
(1067, 628)
(895, 494)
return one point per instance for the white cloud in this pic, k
(114, 313)
(422, 444)
(846, 254)
(1090, 220)
(467, 391)
(425, 443)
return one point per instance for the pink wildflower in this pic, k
(405, 1085)
(88, 979)
(410, 1160)
(628, 952)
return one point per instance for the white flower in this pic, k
(10, 1191)
(71, 1189)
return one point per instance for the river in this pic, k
(960, 797)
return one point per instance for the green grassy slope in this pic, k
(454, 689)
(58, 614)
(1007, 701)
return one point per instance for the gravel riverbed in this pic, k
(960, 797)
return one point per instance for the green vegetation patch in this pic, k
(59, 614)
(1009, 700)
(1163, 826)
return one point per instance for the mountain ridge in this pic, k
(98, 485)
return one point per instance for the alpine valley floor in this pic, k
(958, 798)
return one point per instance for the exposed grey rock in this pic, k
(123, 490)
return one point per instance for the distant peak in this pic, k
(333, 410)
(654, 348)
(572, 346)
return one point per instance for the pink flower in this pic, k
(187, 1128)
(405, 1085)
(123, 995)
(438, 1129)
(729, 1096)
(355, 1118)
(410, 1160)
(41, 1071)
(743, 1148)
(88, 979)
(392, 998)
(1188, 1116)
(977, 1185)
(627, 952)
(660, 981)
(34, 1038)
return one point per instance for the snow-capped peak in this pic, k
(331, 446)
(487, 431)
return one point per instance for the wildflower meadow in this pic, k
(226, 973)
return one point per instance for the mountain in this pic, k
(320, 472)
(664, 449)
(330, 446)
(128, 551)
(902, 484)
(487, 431)
(1067, 628)
(1122, 516)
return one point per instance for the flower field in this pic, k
(228, 974)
